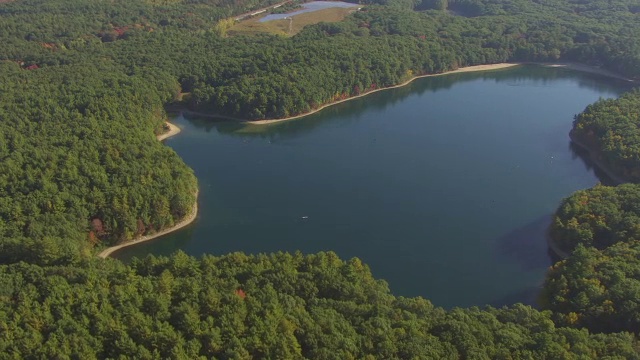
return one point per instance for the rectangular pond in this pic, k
(310, 7)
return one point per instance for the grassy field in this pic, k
(288, 27)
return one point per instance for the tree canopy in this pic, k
(284, 306)
(84, 85)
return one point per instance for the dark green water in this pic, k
(444, 188)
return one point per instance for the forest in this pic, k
(84, 88)
(278, 306)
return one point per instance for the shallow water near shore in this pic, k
(444, 187)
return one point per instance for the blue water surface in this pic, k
(444, 188)
(309, 7)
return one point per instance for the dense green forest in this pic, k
(598, 285)
(281, 306)
(598, 217)
(597, 289)
(610, 127)
(83, 91)
(80, 163)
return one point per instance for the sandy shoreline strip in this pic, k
(460, 70)
(184, 222)
(173, 130)
(475, 68)
(273, 121)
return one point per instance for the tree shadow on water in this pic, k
(528, 296)
(579, 153)
(527, 245)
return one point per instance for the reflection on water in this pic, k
(525, 245)
(309, 7)
(529, 76)
(443, 187)
(582, 154)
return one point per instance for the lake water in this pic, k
(444, 187)
(309, 7)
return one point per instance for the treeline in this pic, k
(598, 285)
(82, 85)
(281, 306)
(602, 216)
(69, 23)
(597, 289)
(598, 217)
(272, 77)
(285, 76)
(610, 129)
(79, 162)
(79, 165)
(378, 47)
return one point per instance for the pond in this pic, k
(444, 187)
(309, 7)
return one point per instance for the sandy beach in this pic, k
(173, 130)
(475, 68)
(460, 70)
(273, 121)
(184, 222)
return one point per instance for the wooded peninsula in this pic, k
(84, 88)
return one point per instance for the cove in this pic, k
(444, 187)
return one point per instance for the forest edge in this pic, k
(173, 130)
(474, 68)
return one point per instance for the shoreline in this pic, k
(555, 249)
(457, 71)
(465, 69)
(182, 223)
(617, 179)
(173, 130)
(475, 68)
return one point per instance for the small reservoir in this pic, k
(310, 7)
